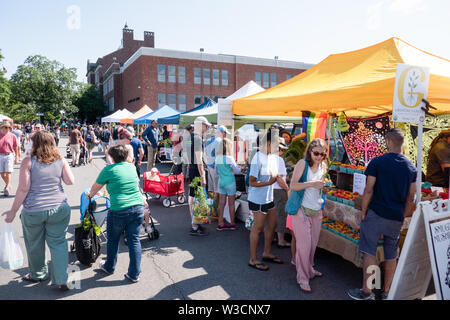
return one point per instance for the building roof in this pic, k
(223, 58)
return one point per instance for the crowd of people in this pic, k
(206, 150)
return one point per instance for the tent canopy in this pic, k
(207, 110)
(117, 116)
(3, 118)
(145, 110)
(360, 82)
(162, 112)
(176, 118)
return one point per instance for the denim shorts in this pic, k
(229, 190)
(372, 228)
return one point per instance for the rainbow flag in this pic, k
(314, 125)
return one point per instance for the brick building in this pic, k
(139, 74)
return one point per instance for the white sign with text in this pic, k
(359, 183)
(411, 86)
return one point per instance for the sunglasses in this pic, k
(315, 153)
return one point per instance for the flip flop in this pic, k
(274, 260)
(317, 273)
(257, 265)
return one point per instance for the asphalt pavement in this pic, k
(178, 266)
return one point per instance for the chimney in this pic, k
(149, 39)
(127, 36)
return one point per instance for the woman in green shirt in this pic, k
(126, 212)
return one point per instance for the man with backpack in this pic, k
(105, 137)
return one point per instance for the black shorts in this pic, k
(264, 208)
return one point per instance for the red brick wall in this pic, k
(143, 72)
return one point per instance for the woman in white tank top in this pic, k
(307, 223)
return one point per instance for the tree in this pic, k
(89, 103)
(43, 86)
(5, 91)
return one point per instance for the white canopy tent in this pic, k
(117, 116)
(3, 117)
(225, 106)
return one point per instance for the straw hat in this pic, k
(5, 123)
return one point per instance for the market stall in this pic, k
(117, 116)
(359, 86)
(145, 110)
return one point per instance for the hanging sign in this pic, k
(411, 86)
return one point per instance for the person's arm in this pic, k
(67, 175)
(145, 135)
(94, 189)
(234, 166)
(141, 155)
(201, 170)
(367, 196)
(410, 205)
(22, 190)
(298, 172)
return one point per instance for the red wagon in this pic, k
(167, 187)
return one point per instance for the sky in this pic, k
(73, 31)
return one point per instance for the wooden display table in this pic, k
(345, 248)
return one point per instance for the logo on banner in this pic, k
(411, 86)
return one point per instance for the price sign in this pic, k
(359, 183)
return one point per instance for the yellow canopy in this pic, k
(360, 82)
(140, 113)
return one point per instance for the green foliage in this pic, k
(43, 86)
(86, 223)
(89, 103)
(295, 152)
(5, 91)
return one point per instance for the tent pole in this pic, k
(419, 157)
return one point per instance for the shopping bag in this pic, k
(11, 256)
(249, 221)
(201, 208)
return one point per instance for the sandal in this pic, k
(305, 288)
(274, 259)
(28, 278)
(258, 266)
(317, 273)
(63, 287)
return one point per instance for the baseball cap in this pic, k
(222, 128)
(202, 120)
(5, 124)
(131, 130)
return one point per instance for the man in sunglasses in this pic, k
(388, 198)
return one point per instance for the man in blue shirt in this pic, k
(388, 198)
(151, 136)
(138, 150)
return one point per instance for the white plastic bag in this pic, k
(11, 256)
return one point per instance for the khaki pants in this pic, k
(151, 157)
(75, 150)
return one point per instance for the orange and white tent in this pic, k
(360, 82)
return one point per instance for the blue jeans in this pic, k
(130, 220)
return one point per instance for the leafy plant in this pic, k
(86, 223)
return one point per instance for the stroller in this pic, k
(83, 154)
(99, 215)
